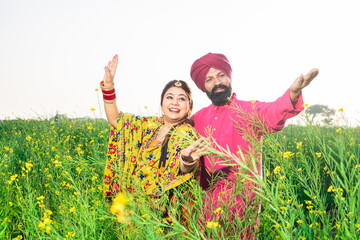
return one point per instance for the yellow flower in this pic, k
(338, 130)
(330, 189)
(41, 198)
(299, 170)
(119, 210)
(72, 209)
(341, 110)
(47, 221)
(70, 234)
(118, 207)
(219, 210)
(28, 165)
(341, 191)
(12, 178)
(298, 145)
(288, 154)
(92, 109)
(96, 89)
(253, 101)
(57, 163)
(282, 177)
(267, 173)
(277, 169)
(212, 225)
(28, 138)
(121, 198)
(41, 225)
(158, 229)
(19, 237)
(318, 154)
(299, 221)
(48, 212)
(305, 105)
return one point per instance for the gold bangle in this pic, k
(106, 88)
(110, 101)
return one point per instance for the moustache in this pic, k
(220, 86)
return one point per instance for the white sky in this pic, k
(52, 53)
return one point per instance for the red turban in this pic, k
(201, 67)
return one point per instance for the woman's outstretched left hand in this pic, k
(193, 152)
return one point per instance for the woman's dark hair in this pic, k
(180, 84)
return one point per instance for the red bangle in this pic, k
(108, 91)
(111, 97)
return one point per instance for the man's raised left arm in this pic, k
(301, 82)
(275, 114)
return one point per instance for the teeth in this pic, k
(171, 109)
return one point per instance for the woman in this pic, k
(150, 155)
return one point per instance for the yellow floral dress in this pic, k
(134, 155)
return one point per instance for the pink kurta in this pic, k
(225, 123)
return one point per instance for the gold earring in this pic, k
(161, 112)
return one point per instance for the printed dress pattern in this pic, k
(133, 163)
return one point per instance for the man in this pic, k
(233, 124)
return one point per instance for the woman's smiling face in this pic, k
(175, 105)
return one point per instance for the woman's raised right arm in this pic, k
(111, 110)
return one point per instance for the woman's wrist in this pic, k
(108, 84)
(108, 92)
(186, 166)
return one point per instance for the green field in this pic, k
(51, 185)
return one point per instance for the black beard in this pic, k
(219, 98)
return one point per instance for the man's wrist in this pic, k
(294, 96)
